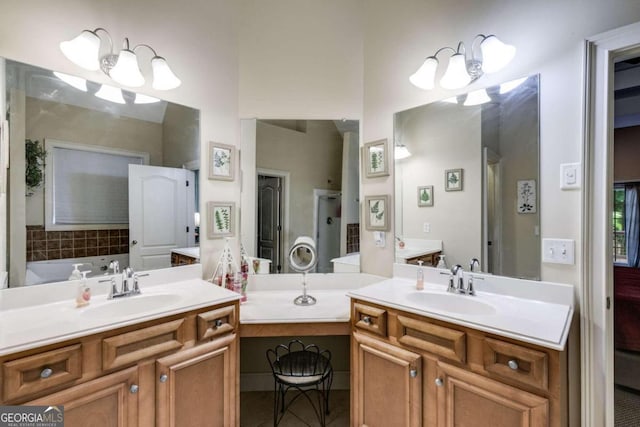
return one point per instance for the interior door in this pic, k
(161, 208)
(328, 229)
(270, 220)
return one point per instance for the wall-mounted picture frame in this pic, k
(453, 180)
(376, 213)
(527, 199)
(375, 157)
(222, 158)
(425, 196)
(220, 219)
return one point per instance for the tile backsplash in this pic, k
(47, 245)
(353, 238)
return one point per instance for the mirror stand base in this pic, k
(304, 300)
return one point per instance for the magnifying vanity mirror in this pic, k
(301, 178)
(470, 186)
(101, 162)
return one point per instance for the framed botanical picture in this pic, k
(376, 159)
(221, 160)
(425, 196)
(453, 180)
(527, 200)
(220, 219)
(376, 215)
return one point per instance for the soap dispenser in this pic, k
(420, 278)
(75, 274)
(84, 292)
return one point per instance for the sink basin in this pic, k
(131, 305)
(451, 303)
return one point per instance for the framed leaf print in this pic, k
(453, 180)
(221, 160)
(220, 219)
(376, 213)
(425, 196)
(376, 159)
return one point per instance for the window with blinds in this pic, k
(88, 186)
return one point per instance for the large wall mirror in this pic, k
(301, 178)
(470, 186)
(86, 164)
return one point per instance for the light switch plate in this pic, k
(379, 239)
(558, 251)
(570, 177)
(426, 227)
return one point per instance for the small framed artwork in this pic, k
(376, 215)
(376, 159)
(527, 200)
(221, 160)
(220, 219)
(425, 196)
(453, 180)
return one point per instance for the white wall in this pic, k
(198, 39)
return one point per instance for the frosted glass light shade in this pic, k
(126, 71)
(163, 77)
(77, 82)
(425, 76)
(476, 97)
(495, 54)
(144, 99)
(83, 50)
(401, 152)
(110, 93)
(456, 75)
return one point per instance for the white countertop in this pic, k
(26, 325)
(270, 297)
(523, 317)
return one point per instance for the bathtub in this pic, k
(57, 270)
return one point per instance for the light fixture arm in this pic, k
(108, 37)
(155, 54)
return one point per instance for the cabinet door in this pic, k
(386, 384)
(197, 387)
(468, 399)
(109, 401)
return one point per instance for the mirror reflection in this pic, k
(86, 164)
(467, 185)
(301, 178)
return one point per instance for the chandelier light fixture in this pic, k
(85, 51)
(465, 67)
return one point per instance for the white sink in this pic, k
(451, 303)
(124, 306)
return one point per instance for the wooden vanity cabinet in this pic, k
(425, 372)
(178, 370)
(428, 260)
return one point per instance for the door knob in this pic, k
(134, 242)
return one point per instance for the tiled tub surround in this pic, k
(48, 245)
(353, 238)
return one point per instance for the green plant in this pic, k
(35, 156)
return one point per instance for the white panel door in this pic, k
(161, 207)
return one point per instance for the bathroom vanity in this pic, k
(166, 357)
(432, 358)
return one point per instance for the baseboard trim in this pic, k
(263, 381)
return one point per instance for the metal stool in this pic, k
(304, 368)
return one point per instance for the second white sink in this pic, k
(131, 305)
(451, 303)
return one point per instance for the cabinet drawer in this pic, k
(215, 323)
(132, 347)
(32, 374)
(371, 319)
(515, 362)
(435, 339)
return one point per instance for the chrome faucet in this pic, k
(129, 278)
(474, 265)
(456, 276)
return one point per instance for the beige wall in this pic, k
(180, 136)
(313, 159)
(626, 154)
(68, 123)
(441, 137)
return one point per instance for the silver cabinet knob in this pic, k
(513, 364)
(366, 320)
(163, 378)
(134, 388)
(46, 373)
(413, 373)
(218, 323)
(439, 382)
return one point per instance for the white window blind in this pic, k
(90, 187)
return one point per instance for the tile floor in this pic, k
(256, 410)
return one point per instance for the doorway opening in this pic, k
(269, 219)
(327, 226)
